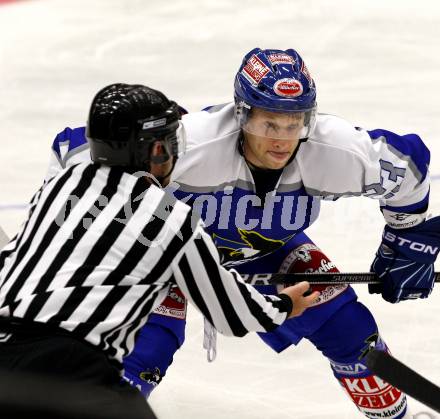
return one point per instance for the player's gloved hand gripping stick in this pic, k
(404, 262)
(403, 268)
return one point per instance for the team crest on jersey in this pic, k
(280, 58)
(252, 245)
(288, 88)
(151, 377)
(255, 69)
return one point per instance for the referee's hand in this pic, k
(301, 297)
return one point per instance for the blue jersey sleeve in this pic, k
(69, 147)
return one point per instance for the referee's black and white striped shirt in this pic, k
(100, 250)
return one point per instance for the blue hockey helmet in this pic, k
(275, 81)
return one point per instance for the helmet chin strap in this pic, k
(302, 140)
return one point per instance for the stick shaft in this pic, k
(404, 378)
(316, 278)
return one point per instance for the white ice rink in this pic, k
(375, 62)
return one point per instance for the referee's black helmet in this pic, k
(127, 122)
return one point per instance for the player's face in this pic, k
(271, 138)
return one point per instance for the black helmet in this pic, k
(124, 123)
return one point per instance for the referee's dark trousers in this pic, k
(45, 372)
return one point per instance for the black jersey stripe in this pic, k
(37, 301)
(86, 179)
(24, 247)
(264, 319)
(136, 252)
(181, 237)
(111, 335)
(78, 232)
(193, 289)
(146, 309)
(228, 309)
(72, 302)
(102, 311)
(17, 239)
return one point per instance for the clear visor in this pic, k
(276, 125)
(160, 150)
(160, 160)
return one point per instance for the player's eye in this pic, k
(270, 125)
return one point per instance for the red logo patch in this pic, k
(371, 392)
(281, 59)
(255, 69)
(288, 88)
(174, 304)
(308, 258)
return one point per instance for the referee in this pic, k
(101, 247)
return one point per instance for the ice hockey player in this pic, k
(267, 160)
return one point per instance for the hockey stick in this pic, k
(329, 278)
(404, 378)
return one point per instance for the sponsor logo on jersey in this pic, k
(280, 58)
(394, 411)
(371, 392)
(255, 69)
(308, 258)
(288, 88)
(325, 266)
(328, 293)
(174, 305)
(348, 369)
